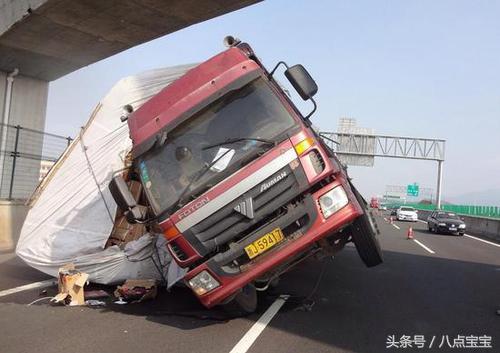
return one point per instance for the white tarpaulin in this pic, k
(72, 212)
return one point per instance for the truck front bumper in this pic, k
(232, 278)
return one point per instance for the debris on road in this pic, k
(96, 294)
(93, 302)
(70, 284)
(39, 300)
(136, 291)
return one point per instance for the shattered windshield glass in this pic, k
(214, 143)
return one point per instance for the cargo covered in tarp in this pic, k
(72, 214)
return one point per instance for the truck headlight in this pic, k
(461, 226)
(203, 283)
(442, 224)
(333, 201)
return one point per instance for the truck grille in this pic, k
(230, 225)
(317, 161)
(181, 255)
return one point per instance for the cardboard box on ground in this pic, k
(70, 283)
(124, 232)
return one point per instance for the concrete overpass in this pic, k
(42, 40)
(47, 39)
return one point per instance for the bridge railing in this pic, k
(26, 155)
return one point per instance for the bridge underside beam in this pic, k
(56, 37)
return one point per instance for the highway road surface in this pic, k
(431, 293)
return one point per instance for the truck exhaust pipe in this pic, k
(230, 41)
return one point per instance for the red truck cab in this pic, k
(240, 184)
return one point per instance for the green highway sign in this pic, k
(412, 189)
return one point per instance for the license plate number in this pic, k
(453, 229)
(264, 243)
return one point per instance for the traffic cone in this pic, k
(392, 219)
(409, 234)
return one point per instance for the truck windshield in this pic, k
(212, 144)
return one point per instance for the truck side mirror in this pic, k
(302, 81)
(124, 199)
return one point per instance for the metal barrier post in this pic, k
(14, 154)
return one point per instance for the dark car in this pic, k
(445, 223)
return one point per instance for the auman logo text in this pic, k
(273, 181)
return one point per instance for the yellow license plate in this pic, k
(264, 243)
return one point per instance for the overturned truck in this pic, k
(236, 179)
(222, 170)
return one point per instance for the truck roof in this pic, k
(187, 95)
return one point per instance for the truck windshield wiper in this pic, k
(198, 176)
(238, 139)
(207, 167)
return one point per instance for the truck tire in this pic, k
(364, 232)
(244, 303)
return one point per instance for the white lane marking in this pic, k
(395, 226)
(425, 247)
(484, 241)
(249, 338)
(419, 220)
(42, 284)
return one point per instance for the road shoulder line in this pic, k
(35, 285)
(423, 246)
(482, 240)
(249, 338)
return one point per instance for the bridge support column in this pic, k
(23, 101)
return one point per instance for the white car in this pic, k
(405, 213)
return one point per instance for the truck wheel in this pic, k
(244, 303)
(364, 232)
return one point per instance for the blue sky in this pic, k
(418, 68)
